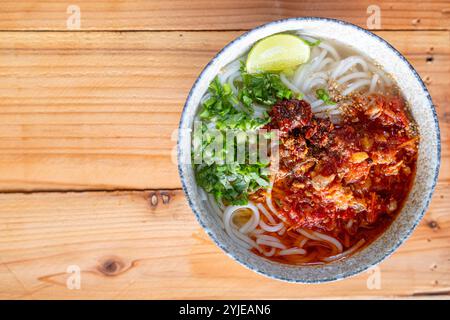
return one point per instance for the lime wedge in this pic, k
(277, 53)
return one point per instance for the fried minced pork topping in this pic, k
(358, 170)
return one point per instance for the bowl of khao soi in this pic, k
(309, 149)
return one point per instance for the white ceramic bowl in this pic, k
(428, 162)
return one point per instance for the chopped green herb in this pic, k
(262, 88)
(310, 43)
(220, 103)
(323, 95)
(230, 181)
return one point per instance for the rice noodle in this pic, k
(356, 85)
(253, 222)
(303, 242)
(239, 235)
(324, 63)
(266, 213)
(268, 243)
(257, 231)
(316, 104)
(326, 108)
(237, 239)
(373, 83)
(270, 204)
(331, 50)
(318, 77)
(345, 253)
(301, 73)
(347, 64)
(246, 240)
(249, 226)
(329, 239)
(292, 251)
(229, 70)
(309, 98)
(269, 253)
(288, 83)
(307, 234)
(316, 83)
(336, 112)
(314, 235)
(352, 76)
(268, 228)
(268, 238)
(316, 62)
(307, 37)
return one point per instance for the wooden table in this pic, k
(87, 122)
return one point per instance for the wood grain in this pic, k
(128, 248)
(98, 110)
(215, 15)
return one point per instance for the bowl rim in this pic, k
(418, 217)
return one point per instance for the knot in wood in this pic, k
(111, 266)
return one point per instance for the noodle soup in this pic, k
(341, 161)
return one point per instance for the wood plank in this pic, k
(127, 248)
(98, 110)
(213, 15)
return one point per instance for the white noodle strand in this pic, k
(292, 251)
(356, 85)
(345, 253)
(269, 228)
(374, 82)
(277, 245)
